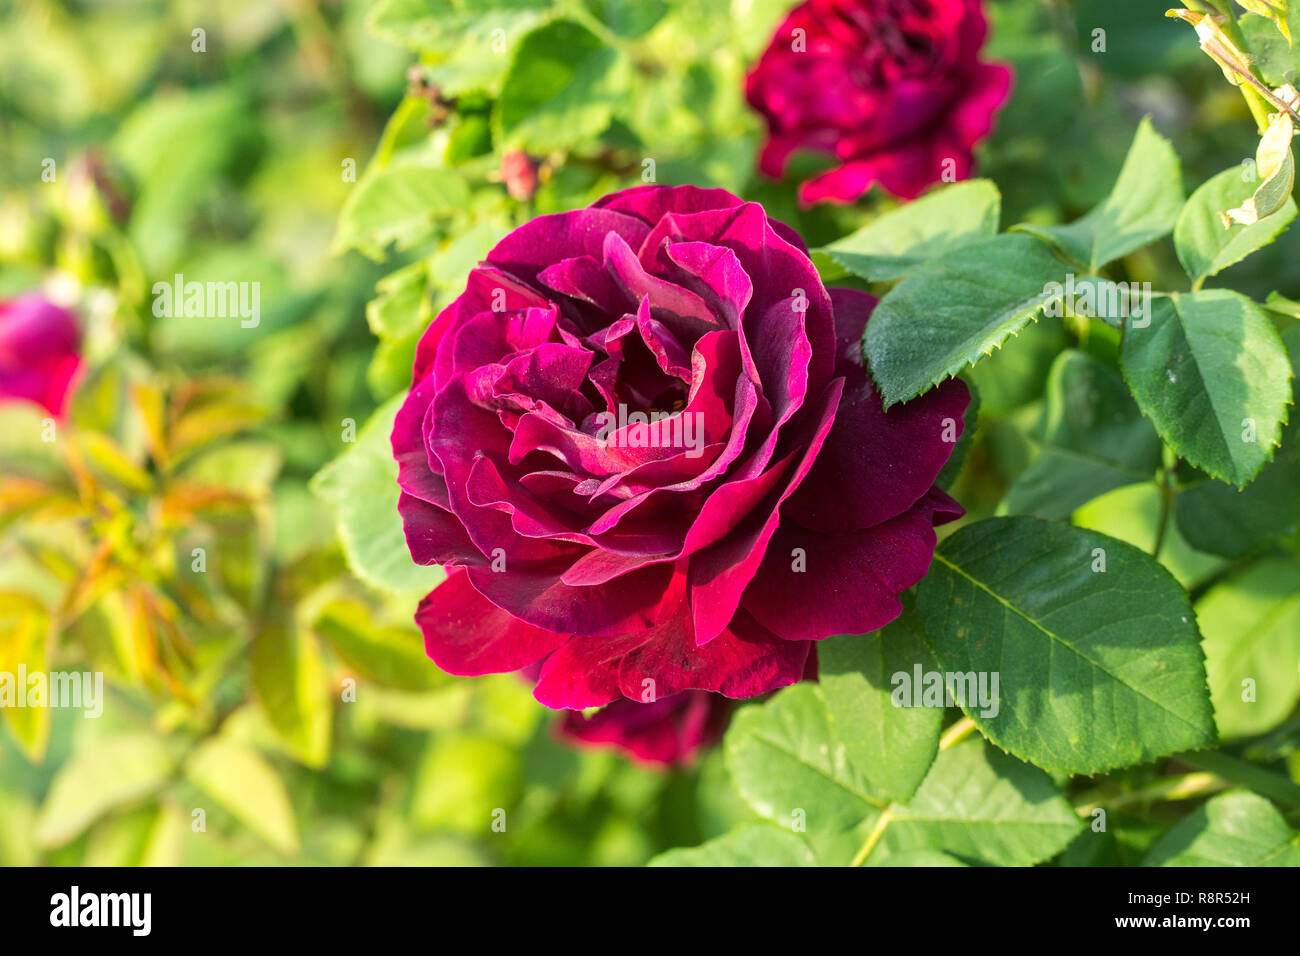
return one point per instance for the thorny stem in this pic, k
(958, 731)
(1257, 92)
(874, 836)
(1187, 786)
(1167, 495)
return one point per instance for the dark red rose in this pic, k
(644, 444)
(894, 90)
(666, 732)
(39, 357)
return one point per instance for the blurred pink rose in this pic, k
(39, 352)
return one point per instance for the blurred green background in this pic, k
(284, 692)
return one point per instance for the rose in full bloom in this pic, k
(894, 90)
(39, 357)
(643, 442)
(665, 732)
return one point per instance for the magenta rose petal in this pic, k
(434, 535)
(537, 594)
(720, 573)
(652, 203)
(466, 635)
(847, 584)
(547, 239)
(666, 732)
(414, 475)
(876, 463)
(742, 661)
(584, 672)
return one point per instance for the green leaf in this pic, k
(1133, 514)
(467, 42)
(891, 747)
(390, 656)
(789, 766)
(438, 25)
(1251, 624)
(1271, 53)
(24, 448)
(177, 146)
(758, 844)
(361, 487)
(241, 781)
(1218, 518)
(1204, 246)
(1093, 439)
(1212, 375)
(1233, 829)
(1141, 207)
(400, 204)
(402, 307)
(109, 773)
(561, 89)
(629, 18)
(954, 310)
(1016, 374)
(1096, 669)
(289, 678)
(913, 234)
(979, 804)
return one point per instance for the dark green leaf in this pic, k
(561, 89)
(919, 231)
(892, 747)
(955, 310)
(1097, 669)
(1251, 624)
(1212, 375)
(1093, 439)
(979, 804)
(1204, 246)
(1232, 829)
(1141, 207)
(789, 766)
